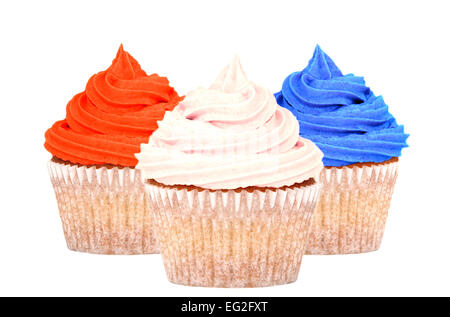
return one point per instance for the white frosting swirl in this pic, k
(229, 136)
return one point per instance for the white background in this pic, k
(49, 49)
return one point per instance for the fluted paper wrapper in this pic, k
(351, 213)
(245, 238)
(103, 210)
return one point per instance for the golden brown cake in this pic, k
(351, 213)
(232, 238)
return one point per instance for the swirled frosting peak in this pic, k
(227, 136)
(341, 114)
(118, 111)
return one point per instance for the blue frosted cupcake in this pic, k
(361, 142)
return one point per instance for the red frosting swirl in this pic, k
(119, 110)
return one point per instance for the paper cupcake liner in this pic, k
(242, 238)
(351, 213)
(103, 210)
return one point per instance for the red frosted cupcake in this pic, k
(100, 194)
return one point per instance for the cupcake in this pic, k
(361, 142)
(231, 185)
(100, 194)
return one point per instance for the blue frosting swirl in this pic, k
(341, 114)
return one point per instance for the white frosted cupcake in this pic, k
(231, 185)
